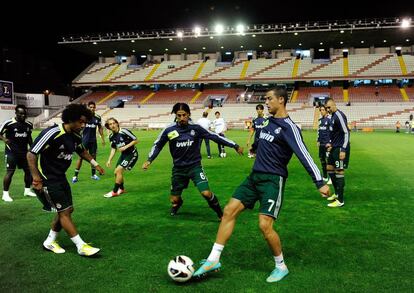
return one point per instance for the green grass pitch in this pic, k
(366, 246)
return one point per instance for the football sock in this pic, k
(121, 186)
(93, 170)
(279, 262)
(333, 179)
(51, 237)
(215, 205)
(78, 241)
(76, 172)
(116, 187)
(340, 182)
(215, 252)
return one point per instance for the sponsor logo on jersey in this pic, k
(62, 147)
(173, 134)
(17, 134)
(90, 125)
(266, 136)
(192, 132)
(65, 156)
(186, 143)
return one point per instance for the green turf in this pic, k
(366, 246)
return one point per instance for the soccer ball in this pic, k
(223, 155)
(180, 269)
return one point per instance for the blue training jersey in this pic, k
(89, 132)
(278, 140)
(257, 125)
(323, 130)
(185, 143)
(339, 131)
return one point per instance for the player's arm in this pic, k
(156, 148)
(111, 156)
(36, 177)
(219, 139)
(101, 134)
(344, 129)
(2, 131)
(294, 139)
(84, 154)
(133, 138)
(251, 133)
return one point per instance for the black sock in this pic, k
(324, 172)
(93, 170)
(76, 172)
(340, 182)
(121, 185)
(333, 179)
(116, 187)
(214, 204)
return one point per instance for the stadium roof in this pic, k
(336, 34)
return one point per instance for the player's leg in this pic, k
(200, 180)
(77, 169)
(10, 161)
(331, 172)
(93, 150)
(179, 182)
(271, 188)
(208, 148)
(28, 183)
(322, 158)
(227, 224)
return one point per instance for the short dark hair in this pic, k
(217, 112)
(205, 114)
(259, 107)
(107, 122)
(280, 91)
(73, 112)
(23, 107)
(181, 106)
(91, 103)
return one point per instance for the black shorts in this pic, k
(91, 147)
(13, 160)
(56, 196)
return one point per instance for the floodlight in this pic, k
(180, 34)
(405, 23)
(219, 29)
(240, 28)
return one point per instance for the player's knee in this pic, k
(265, 225)
(206, 193)
(229, 212)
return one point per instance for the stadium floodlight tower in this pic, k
(240, 29)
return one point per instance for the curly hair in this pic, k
(74, 112)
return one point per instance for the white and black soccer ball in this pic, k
(181, 268)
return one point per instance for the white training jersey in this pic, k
(204, 122)
(219, 125)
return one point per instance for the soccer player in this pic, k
(339, 149)
(49, 158)
(205, 123)
(220, 128)
(17, 136)
(279, 139)
(184, 139)
(89, 141)
(323, 139)
(257, 124)
(124, 141)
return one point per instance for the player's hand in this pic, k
(100, 170)
(324, 191)
(108, 164)
(239, 150)
(318, 144)
(37, 183)
(122, 148)
(328, 147)
(146, 165)
(342, 156)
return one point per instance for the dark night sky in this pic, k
(33, 28)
